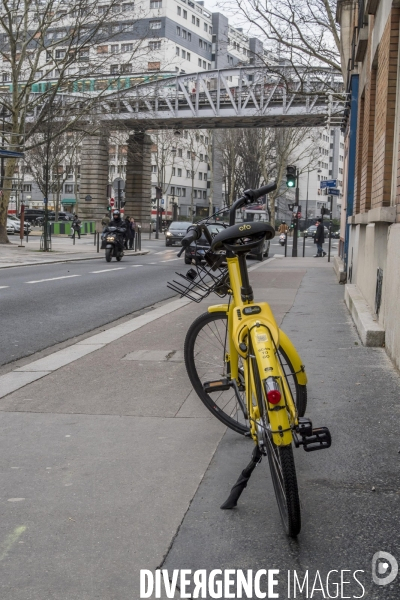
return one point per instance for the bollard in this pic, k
(286, 242)
(94, 241)
(98, 242)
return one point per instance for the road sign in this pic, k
(329, 183)
(112, 202)
(334, 192)
(121, 183)
(10, 154)
(44, 200)
(88, 198)
(162, 201)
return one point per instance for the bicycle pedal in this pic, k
(219, 385)
(319, 439)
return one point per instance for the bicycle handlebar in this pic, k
(249, 197)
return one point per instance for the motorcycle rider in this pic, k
(118, 222)
(283, 228)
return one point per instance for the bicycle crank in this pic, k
(311, 439)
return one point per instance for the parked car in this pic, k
(310, 232)
(62, 216)
(17, 224)
(176, 231)
(196, 250)
(10, 227)
(336, 234)
(31, 214)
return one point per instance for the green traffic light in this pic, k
(290, 183)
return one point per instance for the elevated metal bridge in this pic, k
(239, 97)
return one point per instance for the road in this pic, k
(44, 305)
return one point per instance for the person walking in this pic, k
(76, 227)
(128, 231)
(319, 238)
(132, 230)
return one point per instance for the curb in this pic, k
(64, 260)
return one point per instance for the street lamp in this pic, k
(308, 181)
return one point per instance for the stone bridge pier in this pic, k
(95, 177)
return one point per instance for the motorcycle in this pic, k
(112, 242)
(282, 239)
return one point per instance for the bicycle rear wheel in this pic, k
(205, 359)
(282, 468)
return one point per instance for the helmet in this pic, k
(116, 213)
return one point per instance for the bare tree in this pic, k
(47, 46)
(304, 32)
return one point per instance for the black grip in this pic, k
(193, 234)
(262, 191)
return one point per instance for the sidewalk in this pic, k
(63, 250)
(112, 464)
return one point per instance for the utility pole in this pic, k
(296, 217)
(158, 197)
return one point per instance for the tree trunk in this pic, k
(5, 198)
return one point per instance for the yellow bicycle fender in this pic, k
(293, 356)
(218, 308)
(267, 363)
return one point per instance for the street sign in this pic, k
(121, 183)
(162, 201)
(88, 198)
(10, 154)
(329, 183)
(334, 192)
(44, 200)
(112, 202)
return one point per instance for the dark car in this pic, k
(335, 234)
(32, 214)
(196, 250)
(176, 231)
(62, 216)
(310, 232)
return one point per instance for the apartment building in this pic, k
(371, 223)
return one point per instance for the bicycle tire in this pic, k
(206, 339)
(282, 469)
(299, 392)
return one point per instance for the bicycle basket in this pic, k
(201, 280)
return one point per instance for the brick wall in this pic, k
(359, 153)
(385, 111)
(367, 141)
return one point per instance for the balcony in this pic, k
(362, 44)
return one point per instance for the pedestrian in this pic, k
(128, 231)
(105, 220)
(76, 227)
(132, 229)
(319, 238)
(283, 228)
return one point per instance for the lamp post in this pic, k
(308, 181)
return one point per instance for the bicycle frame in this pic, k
(257, 335)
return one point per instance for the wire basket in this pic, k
(201, 280)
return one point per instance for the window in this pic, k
(189, 36)
(153, 66)
(154, 45)
(115, 29)
(205, 27)
(200, 175)
(114, 69)
(188, 174)
(205, 176)
(209, 29)
(114, 49)
(200, 43)
(206, 157)
(197, 22)
(172, 190)
(126, 47)
(69, 188)
(193, 20)
(60, 53)
(155, 4)
(180, 152)
(201, 157)
(209, 47)
(188, 56)
(173, 171)
(184, 192)
(184, 34)
(127, 7)
(127, 68)
(209, 66)
(115, 8)
(177, 51)
(204, 195)
(178, 31)
(194, 193)
(183, 54)
(179, 172)
(185, 14)
(204, 64)
(102, 49)
(154, 168)
(179, 10)
(155, 24)
(199, 62)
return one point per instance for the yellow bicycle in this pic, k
(243, 367)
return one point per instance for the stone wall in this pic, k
(94, 178)
(138, 178)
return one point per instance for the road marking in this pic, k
(136, 265)
(170, 260)
(53, 278)
(153, 263)
(108, 270)
(3, 287)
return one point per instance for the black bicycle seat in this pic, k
(235, 236)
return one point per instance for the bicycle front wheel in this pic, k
(205, 359)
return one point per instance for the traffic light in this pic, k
(291, 176)
(108, 208)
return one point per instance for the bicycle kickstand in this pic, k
(241, 483)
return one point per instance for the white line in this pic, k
(108, 270)
(153, 263)
(53, 278)
(3, 287)
(136, 265)
(170, 259)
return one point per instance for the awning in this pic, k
(68, 201)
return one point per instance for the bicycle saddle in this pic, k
(243, 236)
